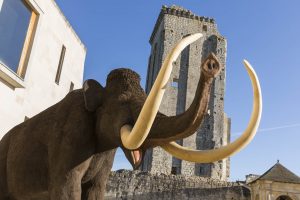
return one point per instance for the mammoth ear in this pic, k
(93, 93)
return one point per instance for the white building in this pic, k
(41, 59)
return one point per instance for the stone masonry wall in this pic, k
(137, 185)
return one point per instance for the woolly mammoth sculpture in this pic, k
(67, 151)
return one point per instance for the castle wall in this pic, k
(172, 25)
(125, 184)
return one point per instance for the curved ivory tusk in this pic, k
(133, 138)
(208, 156)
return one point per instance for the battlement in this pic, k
(180, 12)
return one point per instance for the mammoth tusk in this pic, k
(133, 138)
(208, 156)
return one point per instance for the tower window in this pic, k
(148, 86)
(204, 28)
(60, 64)
(18, 22)
(220, 51)
(153, 64)
(208, 126)
(175, 82)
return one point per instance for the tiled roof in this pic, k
(279, 173)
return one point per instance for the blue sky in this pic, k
(267, 33)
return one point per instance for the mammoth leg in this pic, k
(66, 171)
(66, 187)
(95, 188)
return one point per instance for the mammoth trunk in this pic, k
(171, 128)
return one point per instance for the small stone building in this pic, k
(278, 183)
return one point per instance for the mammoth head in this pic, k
(126, 117)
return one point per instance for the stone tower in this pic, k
(172, 25)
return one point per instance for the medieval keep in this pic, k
(173, 24)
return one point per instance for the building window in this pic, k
(60, 64)
(201, 170)
(71, 87)
(26, 118)
(204, 28)
(174, 170)
(17, 26)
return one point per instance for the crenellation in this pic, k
(179, 12)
